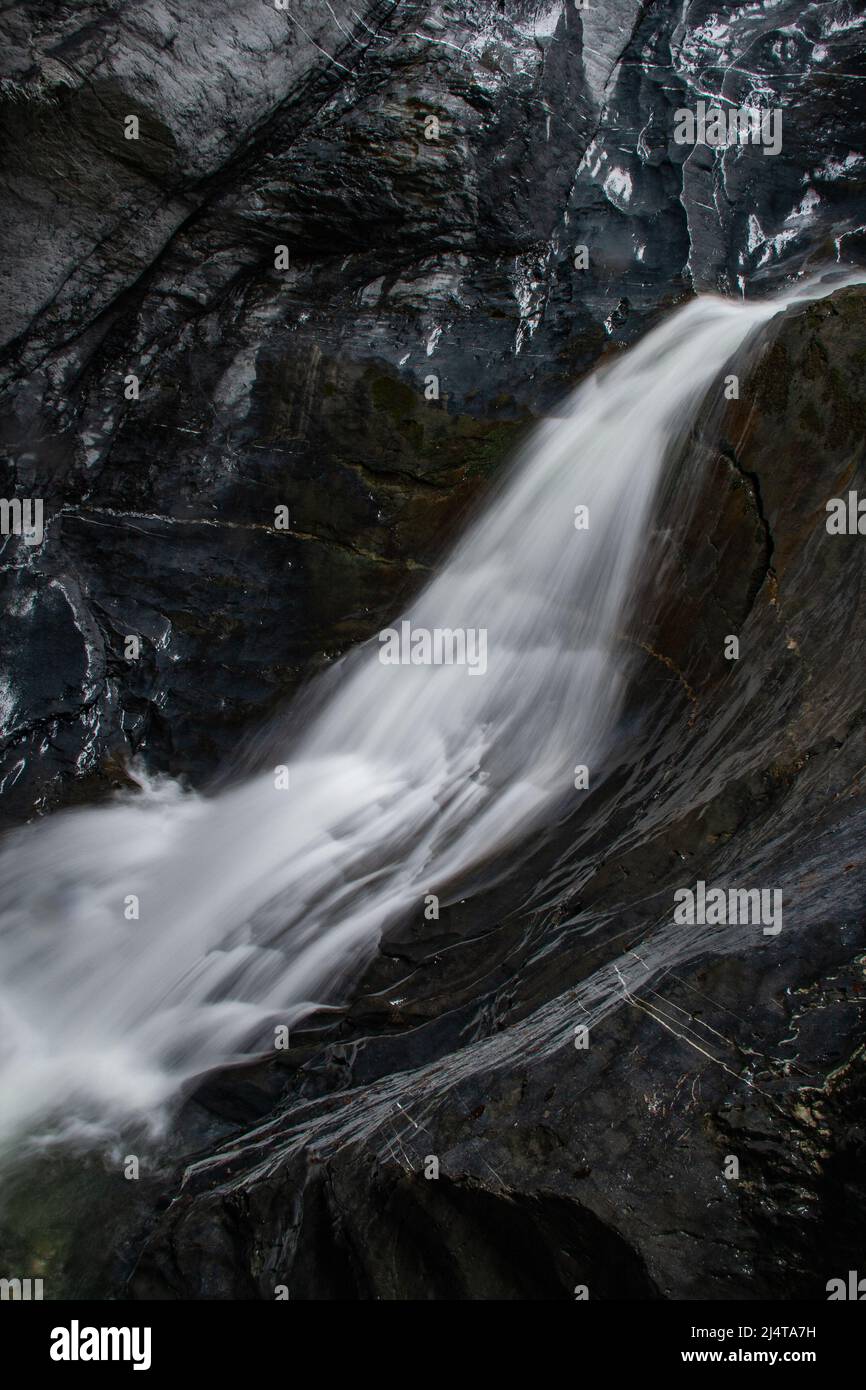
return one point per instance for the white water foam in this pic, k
(256, 902)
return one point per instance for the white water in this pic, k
(257, 902)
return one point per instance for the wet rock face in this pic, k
(430, 171)
(450, 1136)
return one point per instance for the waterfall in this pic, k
(257, 902)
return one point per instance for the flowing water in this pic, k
(257, 902)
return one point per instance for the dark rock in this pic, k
(605, 1167)
(305, 388)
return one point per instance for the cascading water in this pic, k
(257, 901)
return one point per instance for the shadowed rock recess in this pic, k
(453, 257)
